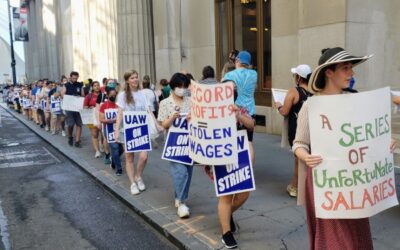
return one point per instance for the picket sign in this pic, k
(55, 105)
(176, 148)
(72, 103)
(239, 177)
(356, 176)
(136, 131)
(87, 115)
(110, 114)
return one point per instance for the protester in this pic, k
(245, 80)
(290, 108)
(35, 88)
(44, 95)
(90, 103)
(165, 89)
(73, 118)
(55, 110)
(170, 109)
(208, 75)
(329, 78)
(132, 99)
(40, 110)
(26, 101)
(151, 97)
(116, 148)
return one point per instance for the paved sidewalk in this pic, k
(269, 220)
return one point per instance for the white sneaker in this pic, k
(97, 155)
(140, 184)
(63, 133)
(47, 128)
(183, 211)
(134, 189)
(53, 132)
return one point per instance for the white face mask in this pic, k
(179, 91)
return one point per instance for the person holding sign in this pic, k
(107, 116)
(90, 103)
(73, 118)
(44, 96)
(54, 102)
(170, 109)
(26, 102)
(132, 99)
(333, 74)
(291, 106)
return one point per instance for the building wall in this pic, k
(184, 36)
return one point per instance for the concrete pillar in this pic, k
(135, 37)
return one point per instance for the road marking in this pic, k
(3, 230)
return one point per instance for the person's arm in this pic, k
(301, 143)
(103, 119)
(289, 101)
(396, 100)
(168, 122)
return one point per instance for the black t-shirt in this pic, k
(52, 91)
(73, 88)
(102, 97)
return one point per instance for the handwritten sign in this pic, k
(212, 128)
(176, 147)
(87, 116)
(137, 137)
(72, 103)
(239, 177)
(279, 95)
(55, 105)
(356, 176)
(110, 114)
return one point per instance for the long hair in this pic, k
(128, 91)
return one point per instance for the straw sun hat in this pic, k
(329, 57)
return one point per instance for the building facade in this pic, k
(102, 38)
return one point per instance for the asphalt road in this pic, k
(46, 202)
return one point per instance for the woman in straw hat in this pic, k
(333, 74)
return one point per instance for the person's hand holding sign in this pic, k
(310, 160)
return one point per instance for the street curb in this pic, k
(180, 240)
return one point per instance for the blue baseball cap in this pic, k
(244, 57)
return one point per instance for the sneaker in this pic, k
(228, 240)
(292, 191)
(233, 226)
(134, 189)
(63, 133)
(140, 184)
(71, 141)
(177, 203)
(41, 126)
(106, 159)
(118, 172)
(53, 132)
(97, 155)
(47, 128)
(183, 211)
(78, 144)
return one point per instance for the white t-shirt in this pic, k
(151, 97)
(140, 102)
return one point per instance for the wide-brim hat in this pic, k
(329, 57)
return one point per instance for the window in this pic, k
(246, 25)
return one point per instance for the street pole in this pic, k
(14, 75)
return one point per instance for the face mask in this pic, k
(179, 91)
(112, 98)
(112, 85)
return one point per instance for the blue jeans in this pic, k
(181, 176)
(116, 151)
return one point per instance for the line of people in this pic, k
(332, 76)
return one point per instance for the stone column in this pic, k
(135, 37)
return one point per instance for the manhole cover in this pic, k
(24, 156)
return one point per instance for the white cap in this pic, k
(302, 70)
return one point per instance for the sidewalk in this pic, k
(269, 220)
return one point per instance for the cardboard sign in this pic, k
(176, 146)
(87, 116)
(43, 104)
(110, 114)
(26, 103)
(239, 177)
(55, 105)
(356, 176)
(137, 137)
(212, 128)
(72, 103)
